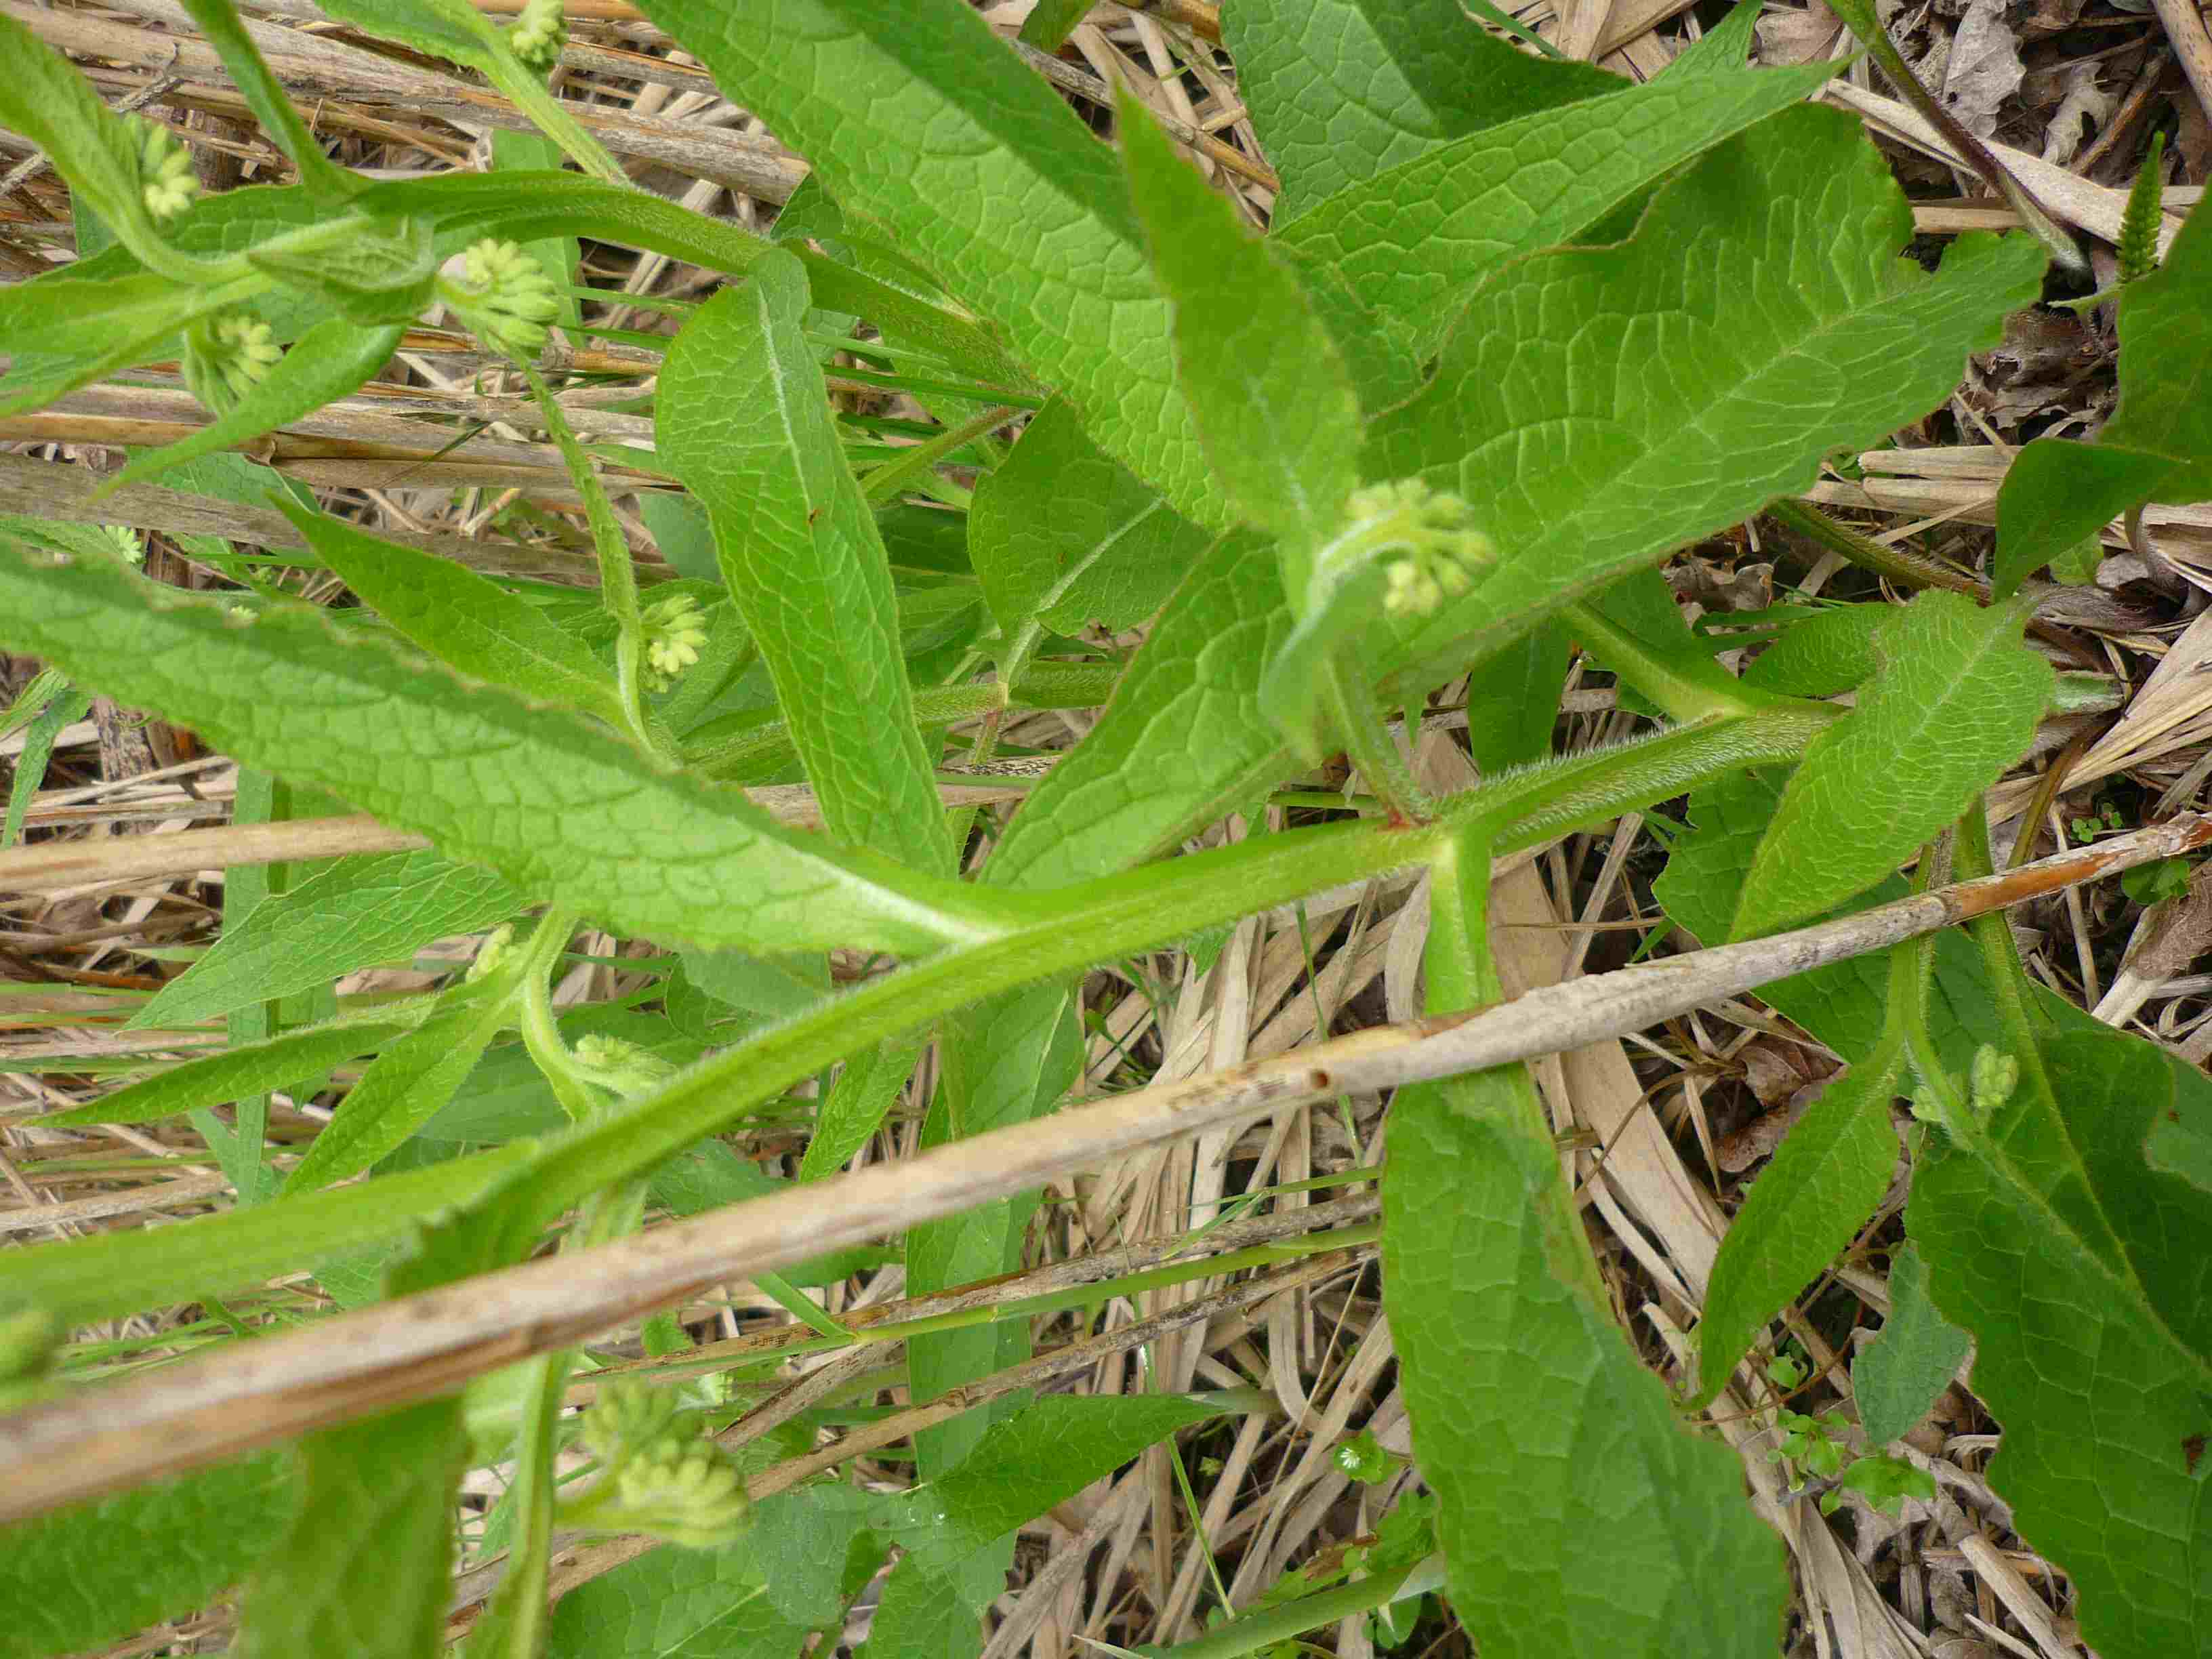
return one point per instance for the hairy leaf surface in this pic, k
(1896, 1380)
(551, 802)
(744, 417)
(1956, 702)
(1598, 407)
(1012, 204)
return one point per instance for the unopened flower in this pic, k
(538, 35)
(507, 297)
(675, 632)
(129, 545)
(225, 357)
(624, 1068)
(661, 1475)
(1426, 538)
(488, 954)
(166, 182)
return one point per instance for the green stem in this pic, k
(1063, 930)
(514, 1626)
(1899, 565)
(541, 1035)
(1688, 688)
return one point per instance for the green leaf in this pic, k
(2158, 445)
(1062, 535)
(81, 1577)
(68, 311)
(68, 706)
(407, 1084)
(1411, 246)
(856, 1105)
(331, 361)
(2083, 1274)
(1896, 1379)
(1342, 91)
(1825, 1180)
(1956, 702)
(1835, 650)
(1535, 1425)
(1513, 700)
(744, 418)
(245, 1069)
(468, 621)
(1012, 205)
(383, 275)
(676, 1602)
(1273, 400)
(1183, 741)
(1560, 407)
(1043, 1455)
(554, 804)
(364, 1567)
(362, 912)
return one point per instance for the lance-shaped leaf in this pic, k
(246, 1068)
(410, 1082)
(1272, 398)
(1342, 90)
(1807, 1206)
(468, 621)
(2085, 1276)
(81, 1577)
(1536, 1425)
(1410, 246)
(1955, 703)
(2157, 447)
(359, 912)
(331, 361)
(743, 419)
(1598, 407)
(550, 801)
(1012, 205)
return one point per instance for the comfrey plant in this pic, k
(1514, 336)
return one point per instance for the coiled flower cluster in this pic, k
(1426, 538)
(675, 633)
(538, 35)
(507, 297)
(662, 1475)
(167, 183)
(225, 357)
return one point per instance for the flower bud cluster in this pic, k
(166, 182)
(225, 357)
(1427, 539)
(538, 35)
(675, 632)
(507, 297)
(662, 1475)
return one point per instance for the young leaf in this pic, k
(1535, 1425)
(1062, 535)
(1956, 702)
(2157, 447)
(1183, 741)
(1411, 244)
(1012, 205)
(2081, 1272)
(548, 800)
(364, 1567)
(1042, 1456)
(468, 621)
(331, 361)
(246, 1069)
(855, 1106)
(407, 1084)
(1834, 651)
(81, 1577)
(1342, 92)
(1825, 1180)
(1559, 406)
(1273, 399)
(677, 1602)
(1896, 1379)
(361, 912)
(744, 418)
